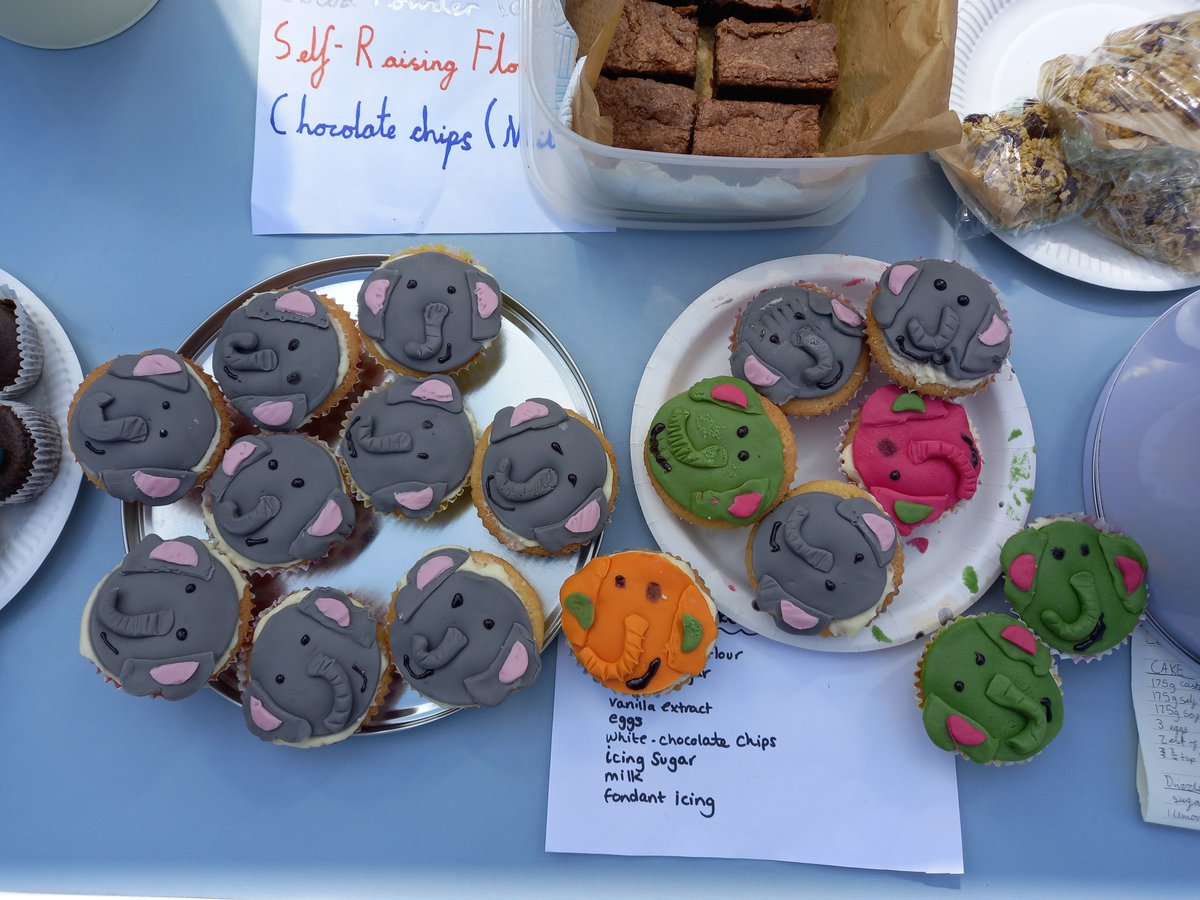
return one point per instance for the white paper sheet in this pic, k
(774, 753)
(391, 117)
(1166, 694)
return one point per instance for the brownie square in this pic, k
(655, 41)
(648, 115)
(756, 128)
(787, 61)
(758, 10)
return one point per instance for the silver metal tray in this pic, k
(527, 360)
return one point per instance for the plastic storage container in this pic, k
(595, 183)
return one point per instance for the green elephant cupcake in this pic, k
(719, 454)
(1082, 590)
(989, 690)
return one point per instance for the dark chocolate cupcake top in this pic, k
(10, 353)
(17, 452)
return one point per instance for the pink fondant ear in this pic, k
(526, 412)
(327, 521)
(515, 665)
(1021, 571)
(176, 552)
(156, 364)
(584, 520)
(334, 609)
(273, 412)
(882, 528)
(1131, 572)
(996, 332)
(730, 393)
(431, 569)
(375, 295)
(415, 499)
(846, 314)
(963, 732)
(235, 456)
(745, 505)
(263, 719)
(758, 374)
(174, 673)
(899, 277)
(155, 486)
(433, 389)
(296, 302)
(795, 616)
(486, 299)
(1015, 634)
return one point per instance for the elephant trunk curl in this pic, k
(434, 315)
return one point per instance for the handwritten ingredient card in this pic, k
(391, 117)
(772, 753)
(1166, 704)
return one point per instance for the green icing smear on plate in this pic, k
(878, 634)
(970, 579)
(1014, 434)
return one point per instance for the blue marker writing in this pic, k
(447, 137)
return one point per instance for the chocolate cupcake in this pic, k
(30, 450)
(20, 347)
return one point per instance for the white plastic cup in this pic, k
(63, 24)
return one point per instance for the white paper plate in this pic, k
(28, 530)
(963, 555)
(1001, 46)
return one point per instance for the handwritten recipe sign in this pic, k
(771, 753)
(390, 117)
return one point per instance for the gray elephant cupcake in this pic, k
(937, 327)
(277, 500)
(825, 561)
(318, 668)
(407, 445)
(468, 629)
(148, 428)
(428, 310)
(167, 620)
(802, 348)
(544, 480)
(285, 357)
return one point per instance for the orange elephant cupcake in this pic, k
(639, 622)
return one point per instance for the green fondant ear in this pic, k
(1114, 545)
(993, 626)
(580, 606)
(911, 513)
(693, 631)
(908, 402)
(1033, 542)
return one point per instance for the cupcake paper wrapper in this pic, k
(29, 347)
(47, 442)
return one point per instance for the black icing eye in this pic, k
(743, 431)
(166, 404)
(293, 378)
(556, 447)
(963, 299)
(297, 482)
(959, 686)
(774, 339)
(1045, 701)
(181, 634)
(452, 290)
(489, 624)
(979, 660)
(190, 589)
(422, 455)
(743, 455)
(619, 581)
(797, 315)
(1057, 552)
(412, 283)
(304, 639)
(427, 424)
(457, 601)
(940, 284)
(279, 679)
(858, 557)
(162, 432)
(654, 592)
(894, 475)
(829, 585)
(294, 344)
(272, 464)
(1084, 549)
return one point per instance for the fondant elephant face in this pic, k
(716, 453)
(820, 558)
(944, 315)
(280, 498)
(144, 427)
(429, 312)
(546, 475)
(315, 665)
(637, 622)
(797, 343)
(277, 358)
(916, 455)
(462, 636)
(409, 445)
(1082, 589)
(165, 618)
(989, 691)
